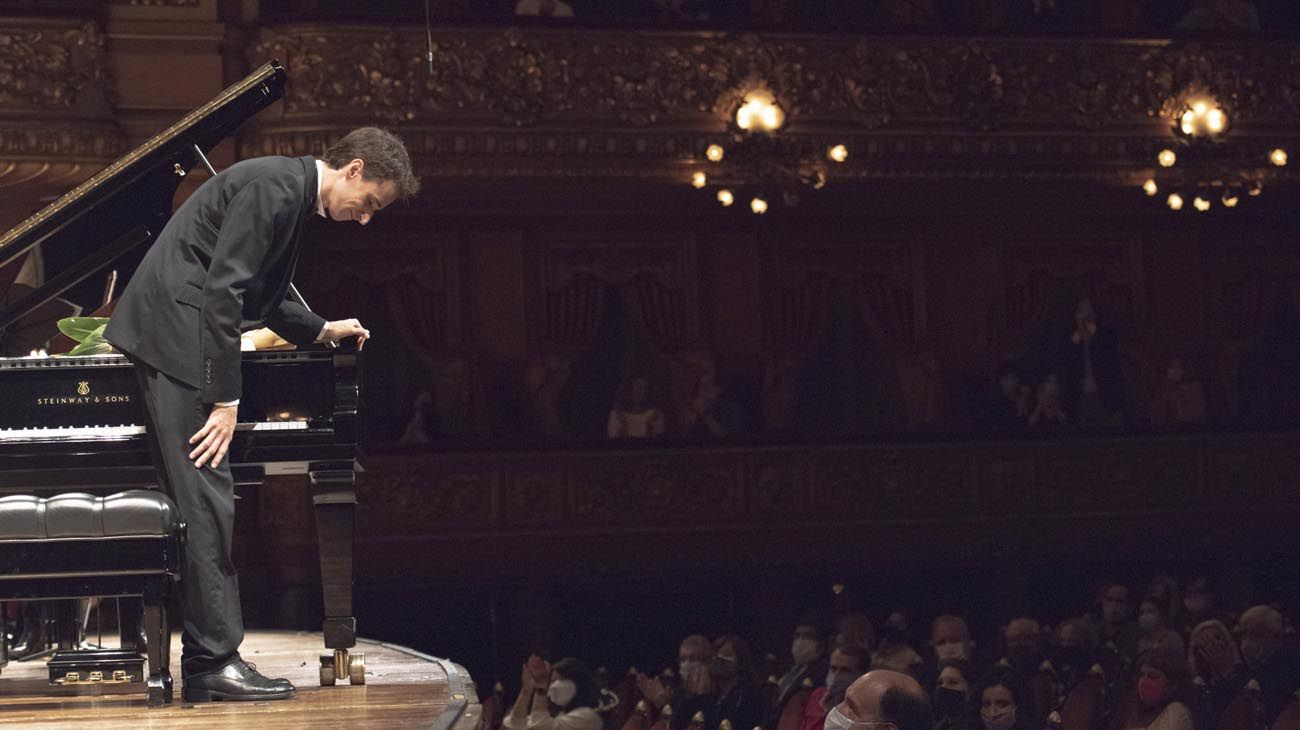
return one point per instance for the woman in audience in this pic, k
(1153, 623)
(634, 414)
(950, 701)
(736, 695)
(559, 697)
(1161, 687)
(1004, 703)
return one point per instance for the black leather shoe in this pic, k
(235, 682)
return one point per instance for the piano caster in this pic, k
(334, 667)
(159, 689)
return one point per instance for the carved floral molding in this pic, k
(637, 104)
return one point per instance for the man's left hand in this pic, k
(214, 438)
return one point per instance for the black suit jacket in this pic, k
(221, 265)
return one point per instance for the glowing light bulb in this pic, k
(1150, 188)
(1166, 158)
(1175, 201)
(1201, 204)
(1188, 122)
(772, 117)
(1256, 188)
(1200, 108)
(714, 153)
(745, 117)
(1230, 200)
(1216, 121)
(726, 197)
(758, 205)
(838, 153)
(699, 180)
(1278, 157)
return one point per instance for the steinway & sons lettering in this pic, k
(83, 397)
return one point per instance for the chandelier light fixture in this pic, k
(1201, 165)
(759, 164)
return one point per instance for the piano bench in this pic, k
(74, 545)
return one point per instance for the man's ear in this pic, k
(355, 167)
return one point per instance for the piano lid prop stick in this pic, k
(202, 158)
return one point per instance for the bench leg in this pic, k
(158, 638)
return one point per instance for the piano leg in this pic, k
(157, 645)
(334, 498)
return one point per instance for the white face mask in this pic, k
(999, 719)
(950, 650)
(835, 720)
(561, 692)
(803, 650)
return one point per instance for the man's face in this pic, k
(949, 633)
(1068, 637)
(1114, 605)
(691, 652)
(356, 198)
(841, 662)
(1023, 638)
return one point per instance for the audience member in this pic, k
(1049, 412)
(949, 639)
(1153, 621)
(1160, 683)
(1180, 399)
(808, 650)
(1119, 633)
(847, 663)
(951, 698)
(1094, 389)
(1073, 653)
(732, 693)
(855, 629)
(1216, 662)
(711, 413)
(1023, 639)
(1008, 407)
(1165, 589)
(634, 414)
(559, 697)
(1004, 703)
(882, 697)
(693, 659)
(1274, 666)
(895, 650)
(1199, 606)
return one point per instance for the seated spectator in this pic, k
(694, 657)
(1164, 588)
(855, 629)
(882, 697)
(1161, 681)
(634, 414)
(1118, 633)
(1023, 639)
(951, 698)
(808, 650)
(1008, 407)
(1274, 666)
(730, 692)
(1094, 390)
(847, 663)
(1180, 399)
(559, 697)
(1216, 662)
(1073, 653)
(1004, 703)
(1199, 606)
(895, 651)
(950, 640)
(1153, 622)
(712, 413)
(1048, 412)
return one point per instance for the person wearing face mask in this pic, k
(882, 698)
(1274, 666)
(810, 664)
(1199, 606)
(847, 663)
(950, 640)
(734, 695)
(563, 696)
(1153, 623)
(1118, 632)
(951, 698)
(1161, 682)
(693, 658)
(1003, 703)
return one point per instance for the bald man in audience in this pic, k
(882, 697)
(1276, 667)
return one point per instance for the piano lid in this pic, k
(126, 204)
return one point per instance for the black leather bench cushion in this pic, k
(76, 515)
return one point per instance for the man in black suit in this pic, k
(221, 265)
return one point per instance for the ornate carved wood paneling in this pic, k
(635, 104)
(682, 508)
(56, 124)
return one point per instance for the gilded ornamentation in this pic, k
(45, 66)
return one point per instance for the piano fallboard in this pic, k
(77, 422)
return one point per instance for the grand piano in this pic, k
(76, 423)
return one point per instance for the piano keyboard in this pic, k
(117, 432)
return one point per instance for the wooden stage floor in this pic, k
(403, 689)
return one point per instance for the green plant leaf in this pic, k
(80, 328)
(92, 346)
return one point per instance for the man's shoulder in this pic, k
(285, 169)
